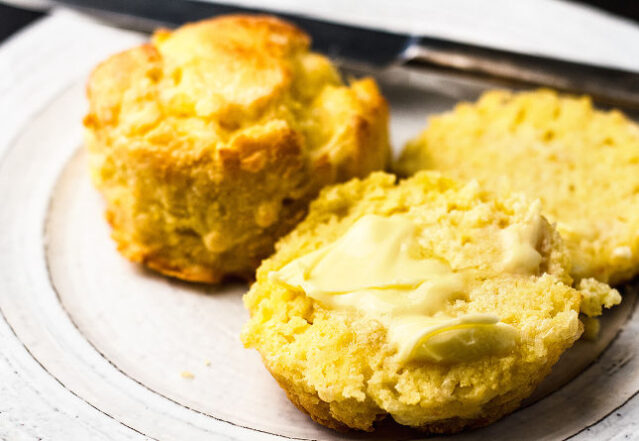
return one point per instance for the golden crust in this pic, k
(320, 412)
(338, 366)
(209, 142)
(581, 162)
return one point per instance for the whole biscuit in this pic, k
(209, 142)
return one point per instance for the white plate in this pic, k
(121, 338)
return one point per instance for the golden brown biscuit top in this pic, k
(229, 61)
(235, 35)
(199, 86)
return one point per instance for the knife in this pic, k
(380, 49)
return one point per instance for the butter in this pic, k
(519, 243)
(375, 268)
(371, 268)
(452, 340)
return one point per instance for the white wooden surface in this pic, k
(54, 380)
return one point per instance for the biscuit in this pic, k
(581, 162)
(342, 366)
(209, 142)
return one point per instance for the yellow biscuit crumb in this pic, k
(187, 374)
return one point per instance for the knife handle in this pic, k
(608, 86)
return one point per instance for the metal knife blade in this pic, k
(379, 49)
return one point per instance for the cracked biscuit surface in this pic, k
(341, 366)
(582, 163)
(208, 142)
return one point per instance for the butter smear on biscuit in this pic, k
(375, 268)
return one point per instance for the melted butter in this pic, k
(519, 243)
(452, 340)
(371, 268)
(374, 268)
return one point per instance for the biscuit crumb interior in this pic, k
(582, 163)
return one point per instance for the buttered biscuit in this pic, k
(582, 163)
(208, 142)
(428, 301)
